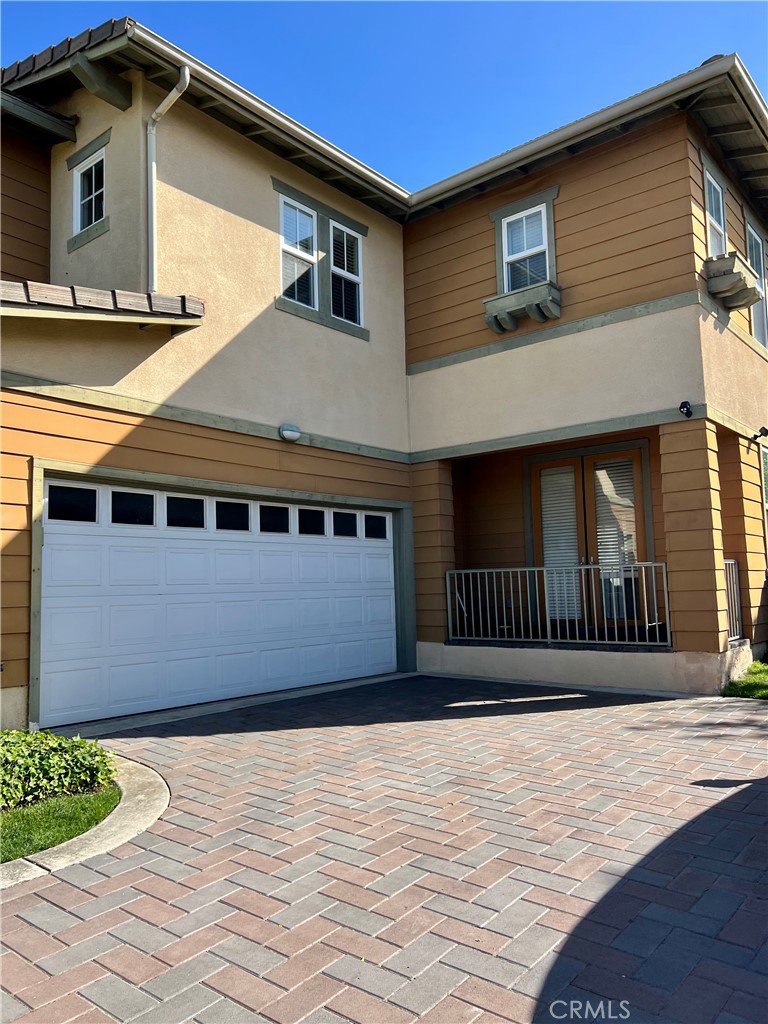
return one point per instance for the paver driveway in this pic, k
(441, 850)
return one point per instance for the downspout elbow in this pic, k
(163, 108)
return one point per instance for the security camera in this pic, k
(686, 410)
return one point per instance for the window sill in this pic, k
(82, 238)
(540, 302)
(317, 317)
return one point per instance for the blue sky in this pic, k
(422, 90)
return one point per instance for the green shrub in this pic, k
(38, 765)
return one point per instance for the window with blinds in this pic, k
(560, 540)
(525, 249)
(615, 518)
(715, 202)
(346, 275)
(299, 253)
(756, 257)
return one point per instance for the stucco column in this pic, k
(690, 486)
(434, 546)
(743, 528)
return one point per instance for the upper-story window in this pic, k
(715, 203)
(756, 257)
(321, 257)
(346, 275)
(299, 262)
(89, 192)
(88, 167)
(525, 249)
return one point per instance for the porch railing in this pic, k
(733, 598)
(579, 604)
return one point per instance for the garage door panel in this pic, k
(137, 623)
(134, 566)
(188, 567)
(276, 567)
(189, 620)
(73, 566)
(138, 618)
(134, 684)
(73, 694)
(74, 628)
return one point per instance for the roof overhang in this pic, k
(125, 45)
(53, 127)
(719, 94)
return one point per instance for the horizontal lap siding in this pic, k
(54, 429)
(735, 203)
(622, 236)
(26, 209)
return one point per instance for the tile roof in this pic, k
(66, 48)
(75, 297)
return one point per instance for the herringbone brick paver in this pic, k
(447, 851)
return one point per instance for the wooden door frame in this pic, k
(530, 462)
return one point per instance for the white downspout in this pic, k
(164, 107)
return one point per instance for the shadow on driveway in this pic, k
(673, 938)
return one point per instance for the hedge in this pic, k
(38, 765)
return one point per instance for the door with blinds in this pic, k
(589, 534)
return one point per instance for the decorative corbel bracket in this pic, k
(541, 302)
(102, 83)
(732, 281)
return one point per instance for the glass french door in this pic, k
(588, 533)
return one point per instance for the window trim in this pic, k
(345, 273)
(77, 163)
(313, 259)
(325, 216)
(710, 220)
(752, 227)
(503, 214)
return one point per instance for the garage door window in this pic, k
(274, 519)
(312, 522)
(133, 508)
(187, 513)
(233, 515)
(344, 524)
(74, 504)
(375, 527)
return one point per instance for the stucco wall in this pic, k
(116, 259)
(735, 373)
(218, 237)
(608, 373)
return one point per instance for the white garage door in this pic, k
(155, 600)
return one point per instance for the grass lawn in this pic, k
(754, 683)
(25, 830)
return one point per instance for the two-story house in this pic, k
(271, 421)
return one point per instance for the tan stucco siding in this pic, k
(45, 428)
(218, 225)
(116, 259)
(608, 373)
(622, 223)
(26, 207)
(735, 373)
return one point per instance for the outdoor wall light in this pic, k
(686, 410)
(289, 432)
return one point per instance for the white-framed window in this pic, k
(89, 195)
(346, 274)
(298, 228)
(717, 242)
(756, 257)
(524, 241)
